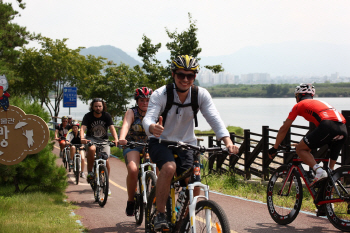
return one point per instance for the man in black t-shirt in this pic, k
(97, 122)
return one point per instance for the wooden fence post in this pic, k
(211, 158)
(247, 154)
(265, 153)
(233, 139)
(286, 141)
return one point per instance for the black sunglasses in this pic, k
(190, 77)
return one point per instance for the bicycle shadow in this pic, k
(123, 227)
(272, 227)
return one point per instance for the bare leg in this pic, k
(133, 158)
(90, 157)
(72, 152)
(332, 163)
(82, 154)
(163, 183)
(303, 152)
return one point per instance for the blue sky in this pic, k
(224, 26)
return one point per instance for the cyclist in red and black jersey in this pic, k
(330, 129)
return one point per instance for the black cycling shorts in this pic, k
(161, 154)
(331, 133)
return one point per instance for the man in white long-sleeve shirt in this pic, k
(179, 126)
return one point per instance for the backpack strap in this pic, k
(194, 103)
(169, 100)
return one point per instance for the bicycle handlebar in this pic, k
(111, 144)
(132, 144)
(201, 149)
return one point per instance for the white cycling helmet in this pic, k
(305, 88)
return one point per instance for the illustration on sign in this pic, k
(20, 135)
(4, 100)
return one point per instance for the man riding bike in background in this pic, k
(61, 133)
(132, 130)
(73, 137)
(97, 122)
(330, 129)
(179, 126)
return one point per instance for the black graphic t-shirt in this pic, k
(97, 127)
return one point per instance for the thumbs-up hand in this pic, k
(158, 128)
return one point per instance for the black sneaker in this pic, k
(90, 177)
(160, 222)
(130, 205)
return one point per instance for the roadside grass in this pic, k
(36, 211)
(116, 151)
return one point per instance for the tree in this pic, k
(182, 43)
(51, 68)
(116, 86)
(12, 36)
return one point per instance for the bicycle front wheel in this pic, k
(138, 202)
(150, 182)
(284, 195)
(104, 186)
(77, 170)
(338, 213)
(210, 217)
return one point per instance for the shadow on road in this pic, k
(123, 227)
(271, 227)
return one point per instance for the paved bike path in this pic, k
(243, 215)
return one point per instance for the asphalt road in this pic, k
(243, 215)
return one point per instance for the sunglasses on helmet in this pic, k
(190, 77)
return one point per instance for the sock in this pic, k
(317, 168)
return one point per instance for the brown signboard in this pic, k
(20, 135)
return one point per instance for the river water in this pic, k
(248, 113)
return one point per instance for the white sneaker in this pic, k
(109, 192)
(319, 176)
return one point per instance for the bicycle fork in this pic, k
(193, 203)
(143, 179)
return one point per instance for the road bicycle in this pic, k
(147, 179)
(77, 161)
(100, 181)
(331, 195)
(194, 215)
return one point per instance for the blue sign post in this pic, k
(69, 97)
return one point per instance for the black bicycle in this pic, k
(100, 182)
(331, 196)
(193, 215)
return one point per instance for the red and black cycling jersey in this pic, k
(315, 111)
(62, 132)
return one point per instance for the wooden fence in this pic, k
(253, 153)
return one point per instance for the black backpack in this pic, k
(170, 102)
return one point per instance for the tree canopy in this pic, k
(182, 43)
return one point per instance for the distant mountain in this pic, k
(111, 53)
(287, 58)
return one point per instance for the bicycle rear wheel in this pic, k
(284, 197)
(338, 213)
(104, 185)
(138, 210)
(77, 170)
(210, 217)
(150, 212)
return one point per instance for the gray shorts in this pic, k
(105, 148)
